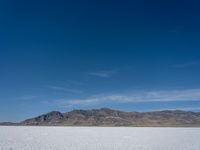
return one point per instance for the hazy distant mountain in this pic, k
(108, 117)
(9, 124)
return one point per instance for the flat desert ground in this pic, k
(98, 138)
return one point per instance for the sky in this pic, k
(128, 55)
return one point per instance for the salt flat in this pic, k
(98, 138)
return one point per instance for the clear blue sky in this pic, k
(128, 55)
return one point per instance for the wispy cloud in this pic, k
(65, 89)
(140, 96)
(176, 30)
(185, 65)
(73, 82)
(103, 73)
(29, 97)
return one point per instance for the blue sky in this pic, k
(128, 55)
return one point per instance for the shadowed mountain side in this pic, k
(108, 117)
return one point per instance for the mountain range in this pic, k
(109, 117)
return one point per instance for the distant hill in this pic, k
(109, 117)
(8, 124)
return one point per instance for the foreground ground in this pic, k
(98, 138)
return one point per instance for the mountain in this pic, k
(109, 117)
(9, 124)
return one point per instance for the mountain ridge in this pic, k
(110, 117)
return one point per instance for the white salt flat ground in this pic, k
(98, 138)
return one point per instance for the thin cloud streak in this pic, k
(29, 97)
(64, 89)
(140, 96)
(103, 73)
(73, 82)
(185, 65)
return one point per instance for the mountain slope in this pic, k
(108, 117)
